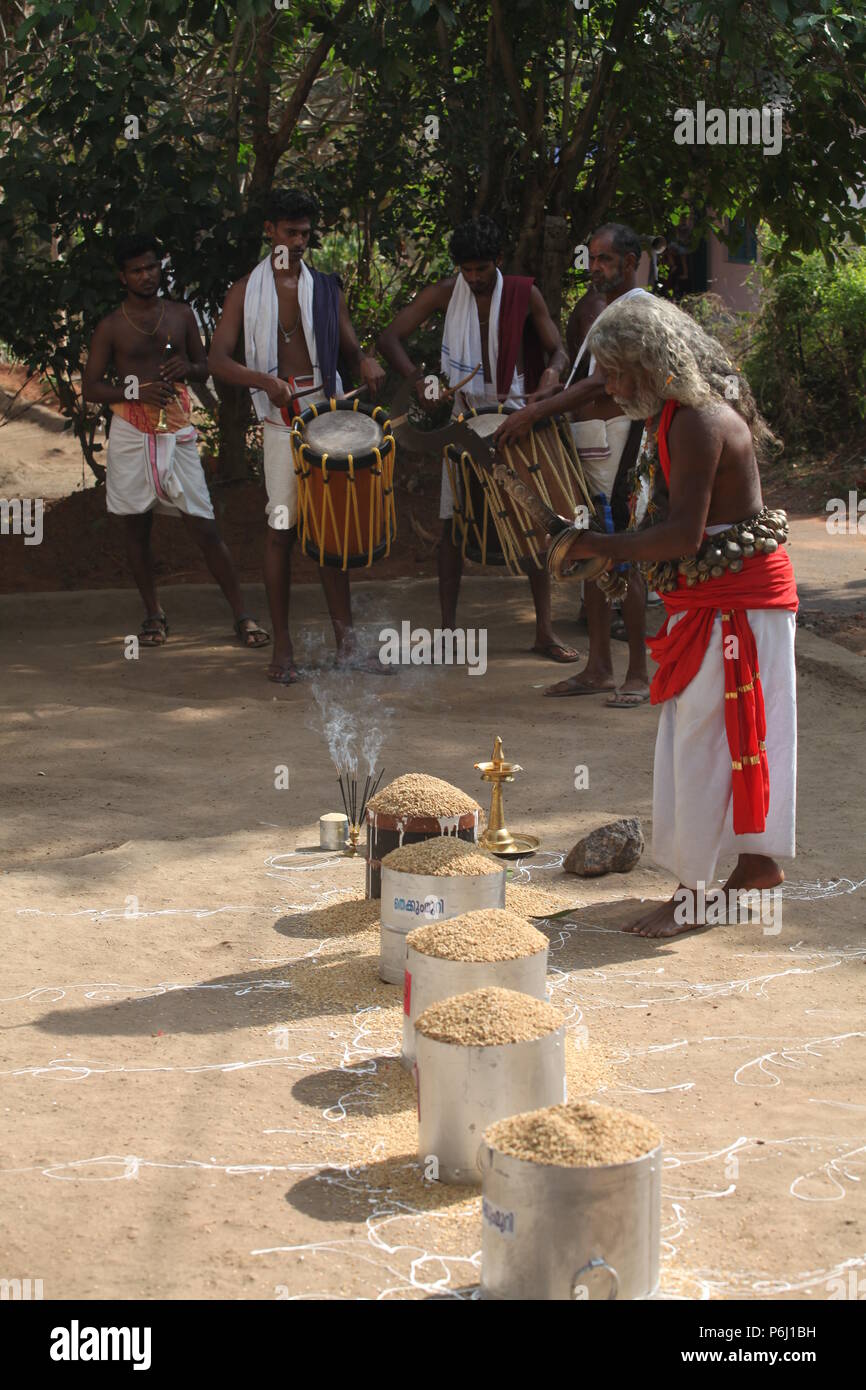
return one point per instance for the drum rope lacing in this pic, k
(382, 520)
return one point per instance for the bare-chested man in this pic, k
(501, 321)
(607, 443)
(294, 322)
(726, 753)
(153, 347)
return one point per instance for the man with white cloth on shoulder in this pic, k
(295, 324)
(607, 443)
(502, 323)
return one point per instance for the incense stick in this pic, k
(342, 793)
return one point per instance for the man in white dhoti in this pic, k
(153, 346)
(607, 442)
(726, 753)
(295, 323)
(502, 324)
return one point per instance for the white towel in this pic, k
(261, 317)
(629, 294)
(461, 345)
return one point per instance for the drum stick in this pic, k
(449, 391)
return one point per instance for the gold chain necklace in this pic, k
(146, 332)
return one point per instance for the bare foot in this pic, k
(282, 669)
(755, 871)
(662, 920)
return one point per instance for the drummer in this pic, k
(295, 323)
(607, 443)
(501, 322)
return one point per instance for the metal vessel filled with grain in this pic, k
(480, 1057)
(411, 809)
(490, 947)
(431, 882)
(571, 1205)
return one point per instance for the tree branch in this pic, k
(303, 87)
(506, 58)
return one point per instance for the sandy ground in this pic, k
(40, 459)
(199, 1083)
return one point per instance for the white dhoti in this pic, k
(281, 483)
(692, 794)
(147, 471)
(600, 445)
(476, 399)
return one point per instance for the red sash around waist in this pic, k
(765, 581)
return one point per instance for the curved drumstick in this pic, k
(400, 411)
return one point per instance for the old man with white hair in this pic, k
(724, 781)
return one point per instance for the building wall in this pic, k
(728, 278)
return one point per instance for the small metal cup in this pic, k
(333, 828)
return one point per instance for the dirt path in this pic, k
(83, 547)
(199, 1074)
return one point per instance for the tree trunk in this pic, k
(555, 260)
(234, 416)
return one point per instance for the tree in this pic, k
(403, 119)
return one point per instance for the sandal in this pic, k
(628, 699)
(557, 651)
(153, 631)
(250, 637)
(283, 674)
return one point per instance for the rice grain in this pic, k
(442, 856)
(416, 794)
(581, 1134)
(491, 934)
(531, 901)
(489, 1017)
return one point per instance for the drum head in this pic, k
(484, 424)
(342, 432)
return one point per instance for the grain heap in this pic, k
(581, 1134)
(490, 934)
(416, 794)
(489, 1018)
(532, 901)
(444, 856)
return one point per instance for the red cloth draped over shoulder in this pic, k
(516, 326)
(765, 581)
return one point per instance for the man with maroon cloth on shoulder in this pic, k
(502, 322)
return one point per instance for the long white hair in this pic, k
(675, 359)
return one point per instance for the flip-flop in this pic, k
(153, 631)
(577, 688)
(285, 674)
(556, 651)
(256, 632)
(627, 699)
